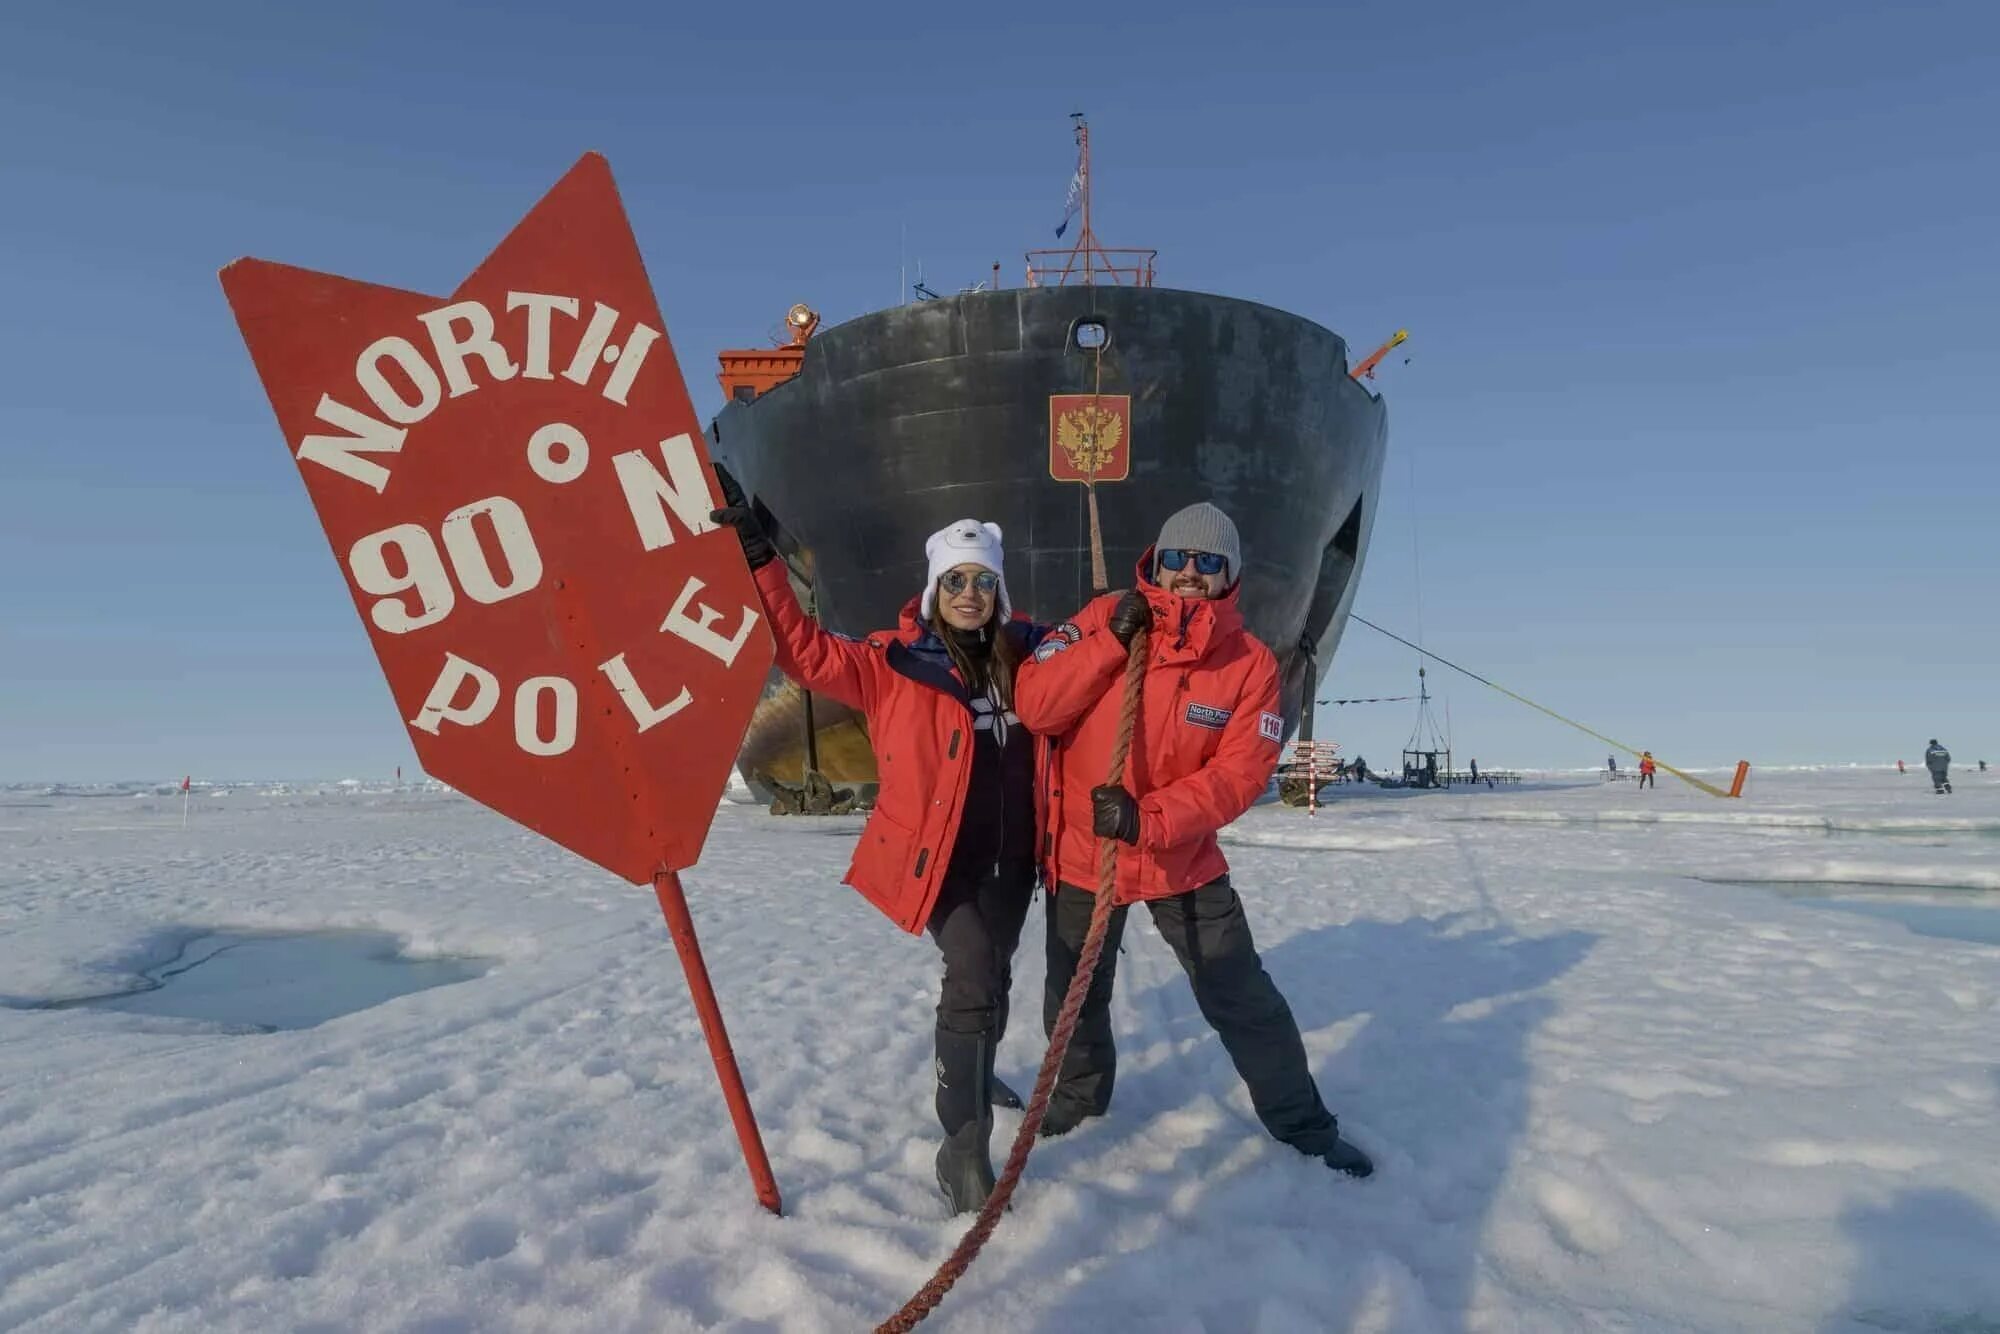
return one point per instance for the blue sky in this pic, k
(1698, 440)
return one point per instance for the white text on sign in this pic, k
(484, 552)
(457, 333)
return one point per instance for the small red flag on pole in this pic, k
(187, 781)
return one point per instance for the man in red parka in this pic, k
(1205, 747)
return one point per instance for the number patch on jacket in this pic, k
(1271, 727)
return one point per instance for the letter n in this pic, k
(683, 490)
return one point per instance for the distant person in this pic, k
(1646, 768)
(1938, 760)
(1611, 765)
(1475, 773)
(1899, 767)
(1360, 770)
(1982, 766)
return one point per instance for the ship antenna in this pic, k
(1424, 740)
(1417, 560)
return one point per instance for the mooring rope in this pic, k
(1100, 580)
(1687, 778)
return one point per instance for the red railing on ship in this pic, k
(1125, 268)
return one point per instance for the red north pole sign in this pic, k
(515, 485)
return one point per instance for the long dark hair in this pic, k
(997, 669)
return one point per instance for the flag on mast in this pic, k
(1075, 199)
(187, 781)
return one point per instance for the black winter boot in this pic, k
(1063, 1117)
(1344, 1157)
(965, 1110)
(1003, 1096)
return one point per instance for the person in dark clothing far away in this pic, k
(950, 847)
(1209, 734)
(1938, 760)
(1982, 766)
(1475, 773)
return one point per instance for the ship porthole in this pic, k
(1088, 335)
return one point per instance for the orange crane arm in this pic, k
(1366, 370)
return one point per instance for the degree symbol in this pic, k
(551, 465)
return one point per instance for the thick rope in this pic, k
(1100, 579)
(961, 1258)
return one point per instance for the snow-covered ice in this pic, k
(1610, 1084)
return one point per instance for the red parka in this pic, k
(922, 739)
(1205, 747)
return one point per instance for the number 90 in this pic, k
(423, 570)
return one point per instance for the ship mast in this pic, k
(1086, 261)
(1086, 240)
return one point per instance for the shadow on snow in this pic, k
(1433, 1082)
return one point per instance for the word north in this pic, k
(405, 384)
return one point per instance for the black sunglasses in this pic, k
(954, 581)
(1205, 562)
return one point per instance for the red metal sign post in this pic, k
(514, 482)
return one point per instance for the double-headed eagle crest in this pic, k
(1088, 437)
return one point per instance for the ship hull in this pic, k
(906, 419)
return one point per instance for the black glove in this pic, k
(1132, 614)
(1114, 814)
(736, 512)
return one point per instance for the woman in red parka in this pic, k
(950, 846)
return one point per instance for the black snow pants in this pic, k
(976, 923)
(1211, 937)
(1940, 776)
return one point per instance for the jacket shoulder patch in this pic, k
(1049, 647)
(1271, 727)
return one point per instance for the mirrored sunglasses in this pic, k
(954, 581)
(1205, 562)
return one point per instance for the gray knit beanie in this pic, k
(1202, 527)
